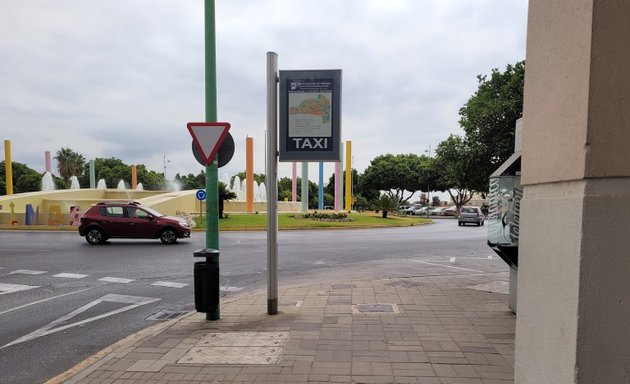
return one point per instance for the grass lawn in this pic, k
(250, 221)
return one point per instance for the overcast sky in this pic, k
(122, 78)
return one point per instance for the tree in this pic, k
(191, 181)
(285, 191)
(387, 203)
(69, 163)
(397, 174)
(25, 179)
(112, 170)
(224, 195)
(361, 192)
(151, 180)
(457, 166)
(488, 119)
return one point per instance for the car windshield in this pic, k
(153, 211)
(469, 210)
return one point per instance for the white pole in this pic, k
(271, 181)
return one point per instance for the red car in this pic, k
(130, 220)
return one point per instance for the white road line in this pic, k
(41, 301)
(169, 284)
(230, 289)
(27, 272)
(116, 280)
(133, 301)
(70, 275)
(10, 288)
(447, 266)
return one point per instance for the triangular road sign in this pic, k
(208, 138)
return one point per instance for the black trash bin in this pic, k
(206, 280)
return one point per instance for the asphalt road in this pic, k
(62, 300)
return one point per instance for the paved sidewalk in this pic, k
(429, 330)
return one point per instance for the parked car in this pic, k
(450, 211)
(420, 211)
(103, 221)
(436, 211)
(409, 210)
(470, 215)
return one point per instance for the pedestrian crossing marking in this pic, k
(10, 288)
(116, 280)
(27, 272)
(169, 284)
(70, 275)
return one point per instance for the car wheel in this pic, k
(459, 223)
(482, 222)
(168, 236)
(94, 236)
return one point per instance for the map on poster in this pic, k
(310, 115)
(310, 109)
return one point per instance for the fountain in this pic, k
(139, 187)
(121, 184)
(101, 184)
(173, 185)
(74, 183)
(48, 184)
(260, 192)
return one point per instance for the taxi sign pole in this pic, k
(212, 170)
(271, 183)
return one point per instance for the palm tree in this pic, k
(69, 163)
(224, 195)
(387, 203)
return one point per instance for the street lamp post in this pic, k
(428, 190)
(164, 163)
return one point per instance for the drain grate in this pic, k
(375, 309)
(165, 314)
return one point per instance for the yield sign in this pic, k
(208, 138)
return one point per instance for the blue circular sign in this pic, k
(201, 194)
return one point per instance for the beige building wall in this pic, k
(573, 317)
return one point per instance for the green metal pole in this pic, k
(212, 170)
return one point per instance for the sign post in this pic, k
(271, 180)
(310, 130)
(201, 196)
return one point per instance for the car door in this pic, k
(141, 223)
(113, 220)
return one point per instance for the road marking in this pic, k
(169, 284)
(116, 280)
(27, 272)
(10, 288)
(446, 266)
(230, 289)
(56, 326)
(41, 301)
(70, 275)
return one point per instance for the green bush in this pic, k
(324, 216)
